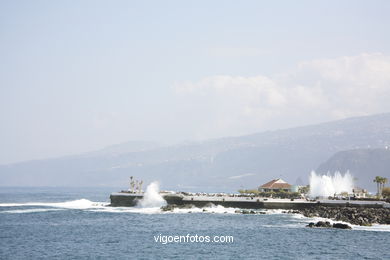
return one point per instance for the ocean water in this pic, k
(70, 223)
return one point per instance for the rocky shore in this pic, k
(172, 207)
(353, 215)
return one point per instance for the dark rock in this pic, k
(169, 207)
(325, 224)
(311, 224)
(187, 206)
(341, 225)
(209, 205)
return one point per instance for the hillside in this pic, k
(364, 164)
(225, 164)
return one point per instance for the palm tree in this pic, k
(384, 181)
(378, 181)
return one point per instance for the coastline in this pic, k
(356, 212)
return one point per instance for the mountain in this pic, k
(363, 164)
(224, 164)
(127, 147)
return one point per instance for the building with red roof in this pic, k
(276, 186)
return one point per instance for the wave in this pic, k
(374, 227)
(73, 204)
(298, 220)
(139, 210)
(213, 209)
(16, 211)
(157, 210)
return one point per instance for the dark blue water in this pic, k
(83, 229)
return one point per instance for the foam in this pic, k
(138, 210)
(84, 204)
(28, 211)
(374, 227)
(152, 197)
(327, 185)
(73, 204)
(213, 209)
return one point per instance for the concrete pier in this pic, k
(123, 199)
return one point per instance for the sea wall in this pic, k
(129, 200)
(124, 200)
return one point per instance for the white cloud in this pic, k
(241, 176)
(314, 91)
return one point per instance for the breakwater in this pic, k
(356, 212)
(355, 215)
(124, 199)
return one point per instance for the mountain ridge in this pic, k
(209, 165)
(360, 162)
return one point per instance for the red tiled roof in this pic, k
(276, 184)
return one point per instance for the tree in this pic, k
(253, 191)
(380, 183)
(304, 189)
(386, 192)
(378, 180)
(385, 180)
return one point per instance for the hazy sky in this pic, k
(79, 75)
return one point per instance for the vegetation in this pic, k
(380, 183)
(279, 194)
(255, 192)
(386, 192)
(304, 189)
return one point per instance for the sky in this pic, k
(76, 76)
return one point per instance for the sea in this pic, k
(77, 223)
